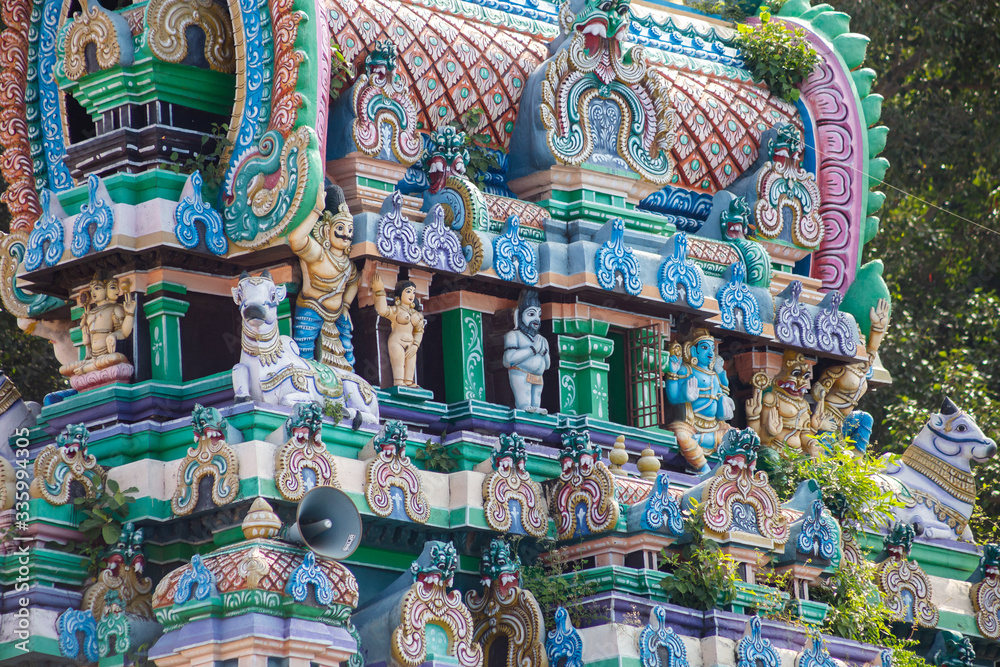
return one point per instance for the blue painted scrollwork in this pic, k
(45, 244)
(834, 331)
(676, 270)
(190, 210)
(819, 535)
(615, 257)
(309, 573)
(71, 622)
(657, 634)
(197, 582)
(792, 323)
(98, 213)
(755, 651)
(734, 296)
(513, 256)
(564, 642)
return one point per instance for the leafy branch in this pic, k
(780, 57)
(702, 576)
(105, 514)
(207, 160)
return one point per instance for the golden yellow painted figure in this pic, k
(845, 385)
(329, 284)
(778, 410)
(407, 329)
(105, 321)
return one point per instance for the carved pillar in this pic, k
(286, 308)
(462, 338)
(164, 314)
(583, 373)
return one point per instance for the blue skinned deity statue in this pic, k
(698, 389)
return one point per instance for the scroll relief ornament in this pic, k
(169, 21)
(986, 594)
(512, 501)
(595, 66)
(429, 602)
(383, 100)
(787, 193)
(390, 468)
(738, 497)
(585, 499)
(210, 457)
(303, 462)
(59, 466)
(906, 590)
(504, 609)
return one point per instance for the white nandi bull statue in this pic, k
(270, 368)
(934, 477)
(15, 414)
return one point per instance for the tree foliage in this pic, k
(939, 71)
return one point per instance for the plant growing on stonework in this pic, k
(702, 576)
(105, 515)
(341, 71)
(334, 410)
(733, 10)
(481, 160)
(207, 160)
(847, 481)
(437, 456)
(857, 611)
(555, 583)
(780, 57)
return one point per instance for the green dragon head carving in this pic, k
(501, 565)
(509, 451)
(73, 440)
(787, 144)
(737, 219)
(393, 437)
(745, 443)
(305, 423)
(955, 650)
(382, 59)
(447, 157)
(899, 540)
(208, 422)
(604, 19)
(578, 454)
(127, 551)
(991, 560)
(442, 566)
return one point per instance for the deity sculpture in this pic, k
(407, 329)
(698, 387)
(526, 354)
(845, 385)
(105, 321)
(778, 410)
(329, 284)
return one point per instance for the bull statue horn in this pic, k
(244, 275)
(267, 274)
(948, 407)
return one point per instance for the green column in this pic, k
(462, 339)
(164, 314)
(285, 309)
(583, 371)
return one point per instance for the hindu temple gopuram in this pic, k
(460, 333)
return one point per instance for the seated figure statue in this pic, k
(698, 388)
(105, 321)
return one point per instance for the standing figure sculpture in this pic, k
(778, 410)
(698, 387)
(105, 321)
(407, 329)
(329, 284)
(526, 354)
(845, 385)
